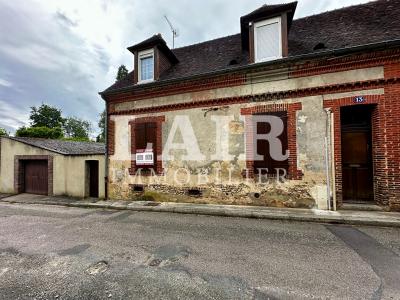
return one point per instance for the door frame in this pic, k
(370, 163)
(88, 167)
(335, 105)
(19, 171)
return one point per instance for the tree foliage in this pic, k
(101, 138)
(40, 132)
(47, 122)
(46, 116)
(3, 132)
(122, 73)
(76, 128)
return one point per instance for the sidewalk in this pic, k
(4, 196)
(370, 218)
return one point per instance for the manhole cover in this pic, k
(97, 268)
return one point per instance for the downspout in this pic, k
(333, 167)
(327, 157)
(106, 141)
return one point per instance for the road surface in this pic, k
(54, 252)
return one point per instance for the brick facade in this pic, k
(111, 137)
(178, 87)
(335, 106)
(162, 63)
(385, 139)
(237, 78)
(385, 115)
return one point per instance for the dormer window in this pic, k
(152, 59)
(146, 66)
(268, 39)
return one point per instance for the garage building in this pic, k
(52, 167)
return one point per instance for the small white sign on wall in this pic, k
(144, 157)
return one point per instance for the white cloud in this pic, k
(5, 83)
(12, 117)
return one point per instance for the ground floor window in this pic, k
(145, 140)
(286, 113)
(269, 165)
(146, 145)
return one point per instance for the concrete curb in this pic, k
(381, 219)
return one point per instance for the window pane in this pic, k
(268, 42)
(146, 68)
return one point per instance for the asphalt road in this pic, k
(49, 252)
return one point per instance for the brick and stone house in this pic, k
(333, 79)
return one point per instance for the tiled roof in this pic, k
(207, 57)
(358, 25)
(370, 23)
(63, 147)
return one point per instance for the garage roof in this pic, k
(63, 147)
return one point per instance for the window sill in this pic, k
(146, 81)
(268, 59)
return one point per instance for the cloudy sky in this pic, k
(64, 52)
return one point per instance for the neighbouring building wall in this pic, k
(75, 174)
(69, 173)
(9, 149)
(307, 186)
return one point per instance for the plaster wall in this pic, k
(225, 180)
(68, 171)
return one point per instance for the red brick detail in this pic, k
(290, 94)
(392, 70)
(335, 106)
(390, 113)
(385, 136)
(158, 120)
(184, 86)
(111, 137)
(386, 140)
(366, 60)
(236, 78)
(162, 63)
(291, 108)
(19, 171)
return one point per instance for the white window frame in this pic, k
(265, 23)
(141, 55)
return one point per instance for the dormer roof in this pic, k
(155, 41)
(270, 11)
(263, 13)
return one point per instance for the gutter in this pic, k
(337, 52)
(106, 141)
(328, 158)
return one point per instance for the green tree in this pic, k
(101, 138)
(46, 116)
(76, 128)
(3, 132)
(122, 73)
(40, 132)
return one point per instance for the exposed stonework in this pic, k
(242, 194)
